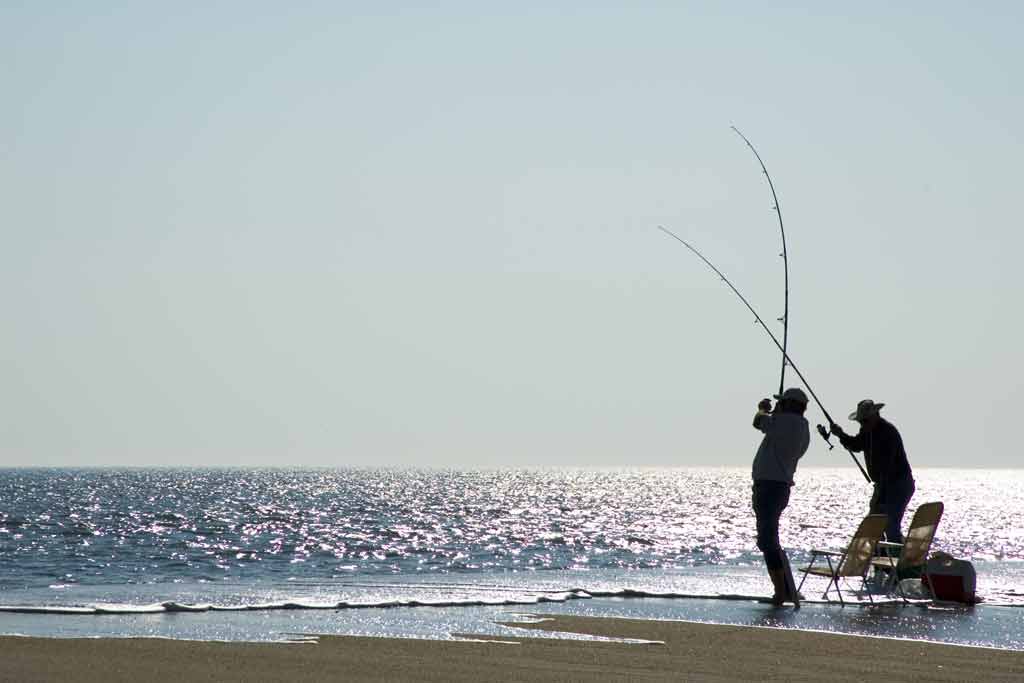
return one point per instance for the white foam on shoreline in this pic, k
(175, 607)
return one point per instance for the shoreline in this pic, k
(680, 650)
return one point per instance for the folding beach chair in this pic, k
(913, 552)
(853, 562)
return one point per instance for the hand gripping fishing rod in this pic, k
(785, 265)
(787, 359)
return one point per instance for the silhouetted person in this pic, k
(887, 464)
(786, 438)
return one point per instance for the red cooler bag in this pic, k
(951, 579)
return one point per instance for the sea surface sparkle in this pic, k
(144, 541)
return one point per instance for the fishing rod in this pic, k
(821, 428)
(785, 261)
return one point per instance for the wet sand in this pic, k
(688, 651)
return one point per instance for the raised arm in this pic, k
(763, 417)
(853, 443)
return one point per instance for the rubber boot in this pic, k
(792, 595)
(779, 584)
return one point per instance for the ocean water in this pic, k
(279, 554)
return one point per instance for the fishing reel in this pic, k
(825, 434)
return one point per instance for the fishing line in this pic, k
(786, 359)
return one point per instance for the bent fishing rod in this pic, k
(786, 358)
(785, 261)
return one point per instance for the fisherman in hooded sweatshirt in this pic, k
(786, 438)
(887, 464)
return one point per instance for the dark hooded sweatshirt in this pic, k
(883, 452)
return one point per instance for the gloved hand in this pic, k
(765, 406)
(836, 429)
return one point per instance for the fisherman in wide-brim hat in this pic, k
(886, 461)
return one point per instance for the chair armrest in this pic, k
(833, 553)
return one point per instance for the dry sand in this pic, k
(689, 652)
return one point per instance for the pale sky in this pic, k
(242, 233)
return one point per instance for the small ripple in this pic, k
(183, 524)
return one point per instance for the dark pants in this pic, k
(891, 498)
(769, 500)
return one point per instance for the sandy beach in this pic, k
(687, 651)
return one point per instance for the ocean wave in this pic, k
(176, 607)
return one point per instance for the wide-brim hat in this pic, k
(865, 409)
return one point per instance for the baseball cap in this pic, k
(792, 394)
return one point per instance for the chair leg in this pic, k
(839, 591)
(832, 579)
(893, 585)
(864, 589)
(810, 564)
(802, 580)
(931, 591)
